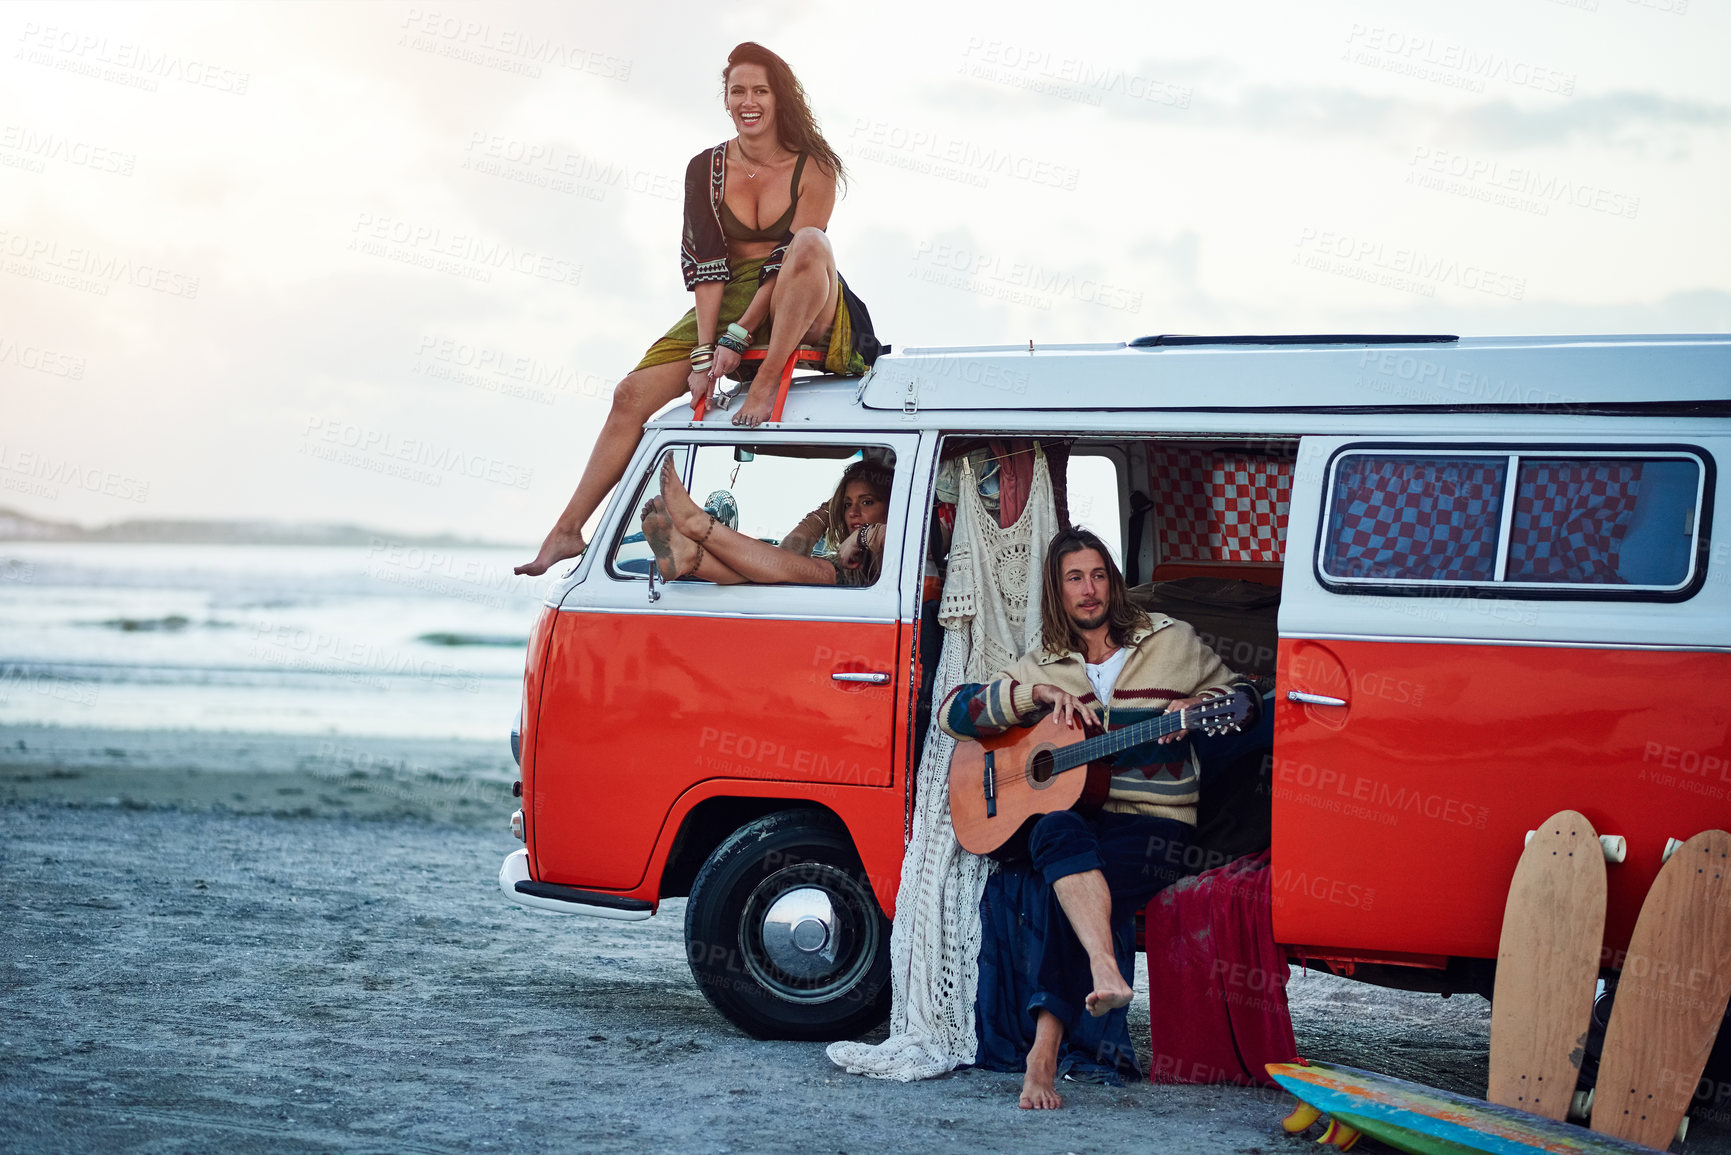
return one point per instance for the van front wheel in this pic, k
(783, 933)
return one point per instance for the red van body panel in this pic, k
(644, 709)
(533, 685)
(873, 818)
(1398, 818)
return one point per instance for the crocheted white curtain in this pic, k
(991, 616)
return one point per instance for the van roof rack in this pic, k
(1297, 339)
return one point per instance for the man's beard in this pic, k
(1093, 622)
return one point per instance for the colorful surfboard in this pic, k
(1426, 1121)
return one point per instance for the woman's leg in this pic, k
(635, 400)
(802, 307)
(675, 553)
(751, 559)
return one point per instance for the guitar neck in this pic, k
(1117, 741)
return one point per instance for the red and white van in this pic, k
(1498, 598)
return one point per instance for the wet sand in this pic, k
(199, 957)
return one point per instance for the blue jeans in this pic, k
(1139, 856)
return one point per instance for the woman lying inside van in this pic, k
(847, 533)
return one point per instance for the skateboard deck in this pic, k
(1671, 997)
(1548, 967)
(1426, 1121)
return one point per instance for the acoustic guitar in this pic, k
(999, 785)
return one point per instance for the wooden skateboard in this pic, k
(1426, 1121)
(1671, 998)
(1547, 967)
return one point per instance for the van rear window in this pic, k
(1617, 521)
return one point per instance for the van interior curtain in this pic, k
(1570, 520)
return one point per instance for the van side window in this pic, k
(1623, 522)
(786, 496)
(1411, 518)
(1093, 486)
(1608, 521)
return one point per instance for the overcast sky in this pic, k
(283, 260)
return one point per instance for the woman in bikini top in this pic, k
(781, 231)
(773, 285)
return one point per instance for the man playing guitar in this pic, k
(1102, 664)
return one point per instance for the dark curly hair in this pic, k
(794, 123)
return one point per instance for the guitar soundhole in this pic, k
(1040, 767)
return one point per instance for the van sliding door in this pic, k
(1475, 635)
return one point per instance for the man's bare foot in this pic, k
(1039, 1085)
(1110, 990)
(674, 552)
(758, 404)
(559, 545)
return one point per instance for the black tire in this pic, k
(820, 967)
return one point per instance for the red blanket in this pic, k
(1216, 979)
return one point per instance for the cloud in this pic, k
(1622, 118)
(1616, 118)
(1199, 94)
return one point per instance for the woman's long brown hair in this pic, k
(877, 477)
(1057, 632)
(794, 123)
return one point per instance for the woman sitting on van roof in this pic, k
(773, 282)
(689, 542)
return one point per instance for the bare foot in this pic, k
(757, 405)
(1110, 990)
(1039, 1085)
(688, 517)
(559, 545)
(674, 552)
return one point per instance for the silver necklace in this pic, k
(752, 175)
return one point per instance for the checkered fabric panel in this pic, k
(1220, 507)
(1570, 520)
(1425, 518)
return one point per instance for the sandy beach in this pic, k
(462, 782)
(258, 943)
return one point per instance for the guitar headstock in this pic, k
(1223, 715)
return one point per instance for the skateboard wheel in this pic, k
(1672, 845)
(1682, 1128)
(1581, 1106)
(1302, 1116)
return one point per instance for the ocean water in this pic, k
(383, 640)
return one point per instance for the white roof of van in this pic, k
(1302, 373)
(1670, 373)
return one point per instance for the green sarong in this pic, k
(736, 297)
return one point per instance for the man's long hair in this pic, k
(1058, 633)
(794, 124)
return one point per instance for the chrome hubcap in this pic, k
(809, 932)
(799, 933)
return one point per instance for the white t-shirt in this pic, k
(1105, 675)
